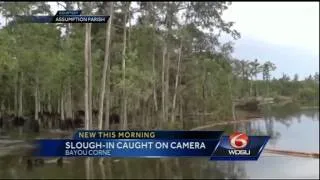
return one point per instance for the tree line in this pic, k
(152, 72)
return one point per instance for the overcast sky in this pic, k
(283, 23)
(285, 33)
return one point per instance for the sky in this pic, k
(285, 33)
(279, 23)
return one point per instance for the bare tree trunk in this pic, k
(234, 117)
(144, 115)
(39, 104)
(90, 82)
(59, 104)
(20, 111)
(181, 112)
(150, 5)
(36, 100)
(9, 105)
(2, 107)
(169, 16)
(256, 86)
(108, 99)
(90, 74)
(86, 75)
(16, 85)
(250, 91)
(167, 86)
(154, 79)
(164, 120)
(124, 96)
(267, 83)
(49, 103)
(147, 115)
(39, 99)
(49, 106)
(176, 85)
(129, 29)
(69, 99)
(204, 96)
(105, 68)
(62, 117)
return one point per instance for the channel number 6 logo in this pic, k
(239, 140)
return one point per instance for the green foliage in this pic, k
(308, 95)
(210, 79)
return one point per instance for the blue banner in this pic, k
(126, 148)
(64, 17)
(154, 144)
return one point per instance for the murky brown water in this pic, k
(291, 131)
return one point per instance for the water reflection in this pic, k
(88, 168)
(312, 114)
(285, 130)
(286, 126)
(138, 169)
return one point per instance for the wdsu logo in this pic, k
(239, 141)
(239, 146)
